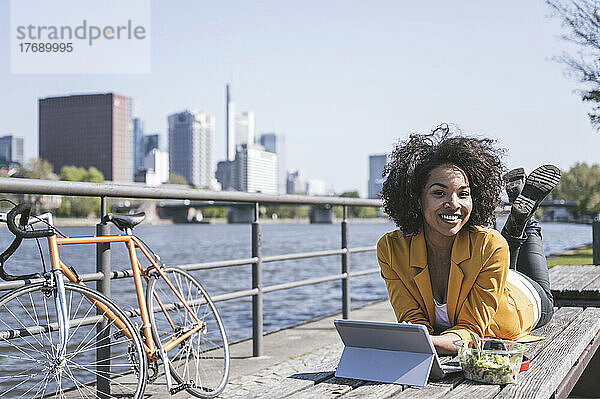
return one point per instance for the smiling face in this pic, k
(446, 202)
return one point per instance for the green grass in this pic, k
(581, 256)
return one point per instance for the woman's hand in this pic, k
(444, 344)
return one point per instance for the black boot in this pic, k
(537, 186)
(514, 181)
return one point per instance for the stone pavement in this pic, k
(286, 352)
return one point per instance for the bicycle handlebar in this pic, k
(19, 230)
(20, 233)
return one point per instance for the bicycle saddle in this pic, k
(124, 221)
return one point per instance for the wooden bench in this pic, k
(557, 362)
(575, 285)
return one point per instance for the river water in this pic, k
(181, 244)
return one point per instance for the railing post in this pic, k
(596, 240)
(257, 299)
(345, 268)
(103, 285)
(103, 252)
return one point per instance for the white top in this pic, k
(522, 284)
(442, 321)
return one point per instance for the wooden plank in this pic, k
(472, 389)
(433, 390)
(568, 383)
(555, 274)
(558, 273)
(291, 384)
(374, 390)
(594, 285)
(330, 388)
(561, 319)
(576, 285)
(573, 279)
(555, 360)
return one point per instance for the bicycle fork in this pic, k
(62, 316)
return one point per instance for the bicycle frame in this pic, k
(131, 242)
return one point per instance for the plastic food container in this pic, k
(498, 361)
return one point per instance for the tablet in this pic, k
(396, 353)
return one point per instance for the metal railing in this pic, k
(104, 273)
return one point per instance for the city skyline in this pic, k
(344, 80)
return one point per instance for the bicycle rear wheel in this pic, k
(29, 341)
(201, 360)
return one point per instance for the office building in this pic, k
(224, 175)
(11, 150)
(190, 147)
(244, 128)
(88, 130)
(155, 168)
(229, 126)
(376, 166)
(255, 170)
(275, 143)
(138, 144)
(295, 182)
(269, 141)
(151, 142)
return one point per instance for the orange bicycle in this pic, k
(61, 338)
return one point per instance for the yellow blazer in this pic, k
(479, 299)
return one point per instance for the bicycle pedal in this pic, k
(180, 387)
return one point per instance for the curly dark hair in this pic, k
(412, 160)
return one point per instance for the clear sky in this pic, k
(344, 79)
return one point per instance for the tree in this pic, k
(93, 175)
(214, 212)
(581, 184)
(581, 18)
(80, 206)
(37, 168)
(287, 211)
(355, 211)
(72, 173)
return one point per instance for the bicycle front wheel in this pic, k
(29, 346)
(202, 359)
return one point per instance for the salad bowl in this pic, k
(492, 361)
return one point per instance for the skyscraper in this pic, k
(138, 144)
(244, 128)
(275, 143)
(376, 165)
(11, 150)
(255, 170)
(229, 126)
(151, 142)
(88, 130)
(295, 182)
(190, 146)
(224, 175)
